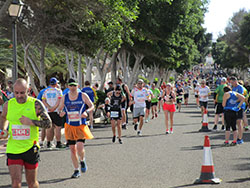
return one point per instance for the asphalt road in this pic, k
(155, 160)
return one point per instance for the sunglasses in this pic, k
(139, 83)
(72, 85)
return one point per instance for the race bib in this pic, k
(114, 114)
(20, 132)
(74, 116)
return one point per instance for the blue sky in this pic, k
(220, 12)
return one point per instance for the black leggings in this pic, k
(230, 119)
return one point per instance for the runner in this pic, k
(76, 130)
(51, 100)
(115, 111)
(218, 98)
(196, 95)
(186, 89)
(232, 103)
(245, 94)
(91, 93)
(204, 92)
(140, 95)
(154, 100)
(23, 114)
(169, 106)
(239, 89)
(148, 104)
(125, 104)
(179, 93)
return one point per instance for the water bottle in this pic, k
(35, 147)
(3, 133)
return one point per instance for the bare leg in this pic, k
(240, 127)
(216, 119)
(171, 119)
(141, 123)
(74, 157)
(166, 118)
(227, 135)
(50, 133)
(16, 175)
(43, 134)
(113, 126)
(123, 116)
(31, 178)
(58, 133)
(80, 150)
(119, 128)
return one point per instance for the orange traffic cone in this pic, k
(207, 169)
(204, 127)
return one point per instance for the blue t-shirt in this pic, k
(89, 91)
(232, 103)
(240, 89)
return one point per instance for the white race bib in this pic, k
(20, 132)
(74, 116)
(114, 114)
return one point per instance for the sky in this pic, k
(220, 12)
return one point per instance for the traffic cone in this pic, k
(207, 169)
(204, 127)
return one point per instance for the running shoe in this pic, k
(146, 121)
(113, 139)
(84, 167)
(139, 133)
(215, 128)
(246, 128)
(41, 144)
(226, 144)
(223, 128)
(60, 146)
(124, 126)
(167, 131)
(233, 144)
(135, 127)
(50, 146)
(120, 141)
(240, 141)
(152, 117)
(76, 174)
(91, 127)
(156, 115)
(171, 131)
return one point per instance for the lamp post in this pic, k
(15, 10)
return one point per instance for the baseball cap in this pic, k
(72, 82)
(223, 79)
(53, 81)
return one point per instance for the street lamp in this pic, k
(15, 10)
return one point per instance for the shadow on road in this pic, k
(240, 180)
(214, 146)
(41, 182)
(187, 185)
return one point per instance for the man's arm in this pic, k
(127, 89)
(241, 98)
(3, 120)
(225, 97)
(89, 103)
(44, 122)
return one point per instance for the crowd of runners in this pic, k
(22, 115)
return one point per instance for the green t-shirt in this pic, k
(220, 92)
(156, 92)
